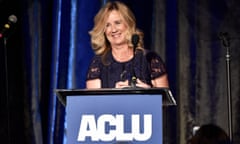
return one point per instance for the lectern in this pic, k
(115, 116)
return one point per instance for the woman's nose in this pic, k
(114, 28)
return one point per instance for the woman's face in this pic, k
(116, 29)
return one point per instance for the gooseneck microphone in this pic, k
(135, 40)
(12, 19)
(224, 37)
(4, 33)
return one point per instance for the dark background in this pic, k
(11, 76)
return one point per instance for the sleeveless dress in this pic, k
(145, 65)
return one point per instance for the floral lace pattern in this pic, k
(146, 66)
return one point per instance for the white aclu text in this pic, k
(96, 128)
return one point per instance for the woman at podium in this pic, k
(120, 58)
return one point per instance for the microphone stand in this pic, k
(133, 81)
(135, 40)
(6, 84)
(226, 43)
(5, 34)
(133, 78)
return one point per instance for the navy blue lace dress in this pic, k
(146, 65)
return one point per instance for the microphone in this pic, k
(224, 36)
(12, 19)
(135, 40)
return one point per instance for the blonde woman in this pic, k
(119, 62)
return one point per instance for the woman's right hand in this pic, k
(121, 84)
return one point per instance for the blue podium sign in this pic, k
(114, 119)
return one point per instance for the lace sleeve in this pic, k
(157, 65)
(94, 69)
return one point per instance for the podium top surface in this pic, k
(168, 98)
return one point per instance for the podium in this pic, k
(115, 116)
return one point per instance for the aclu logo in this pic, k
(109, 127)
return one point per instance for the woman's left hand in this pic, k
(142, 84)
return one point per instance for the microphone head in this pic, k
(224, 37)
(135, 39)
(4, 32)
(12, 18)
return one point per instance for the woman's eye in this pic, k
(118, 22)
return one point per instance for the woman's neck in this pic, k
(122, 53)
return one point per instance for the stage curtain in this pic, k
(72, 20)
(202, 60)
(57, 55)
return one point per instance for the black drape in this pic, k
(11, 77)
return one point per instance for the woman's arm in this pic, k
(161, 81)
(95, 83)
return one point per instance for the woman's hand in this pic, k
(121, 84)
(142, 84)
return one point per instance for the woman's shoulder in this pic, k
(96, 59)
(102, 59)
(149, 55)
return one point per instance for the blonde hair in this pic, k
(99, 42)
